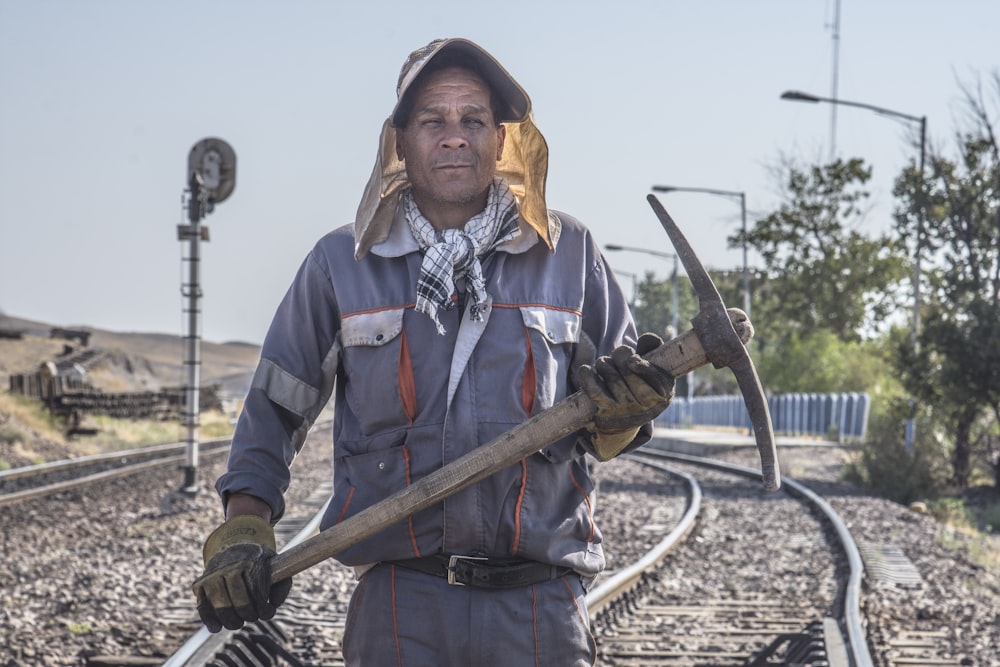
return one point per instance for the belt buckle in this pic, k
(453, 561)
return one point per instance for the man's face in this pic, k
(451, 145)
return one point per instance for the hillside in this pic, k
(126, 361)
(110, 361)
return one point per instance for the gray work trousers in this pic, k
(411, 619)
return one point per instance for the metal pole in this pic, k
(910, 429)
(799, 96)
(664, 255)
(192, 340)
(834, 81)
(674, 305)
(743, 214)
(920, 234)
(746, 268)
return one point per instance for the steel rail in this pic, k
(65, 464)
(119, 471)
(89, 459)
(202, 646)
(617, 584)
(857, 639)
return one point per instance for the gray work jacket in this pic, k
(409, 400)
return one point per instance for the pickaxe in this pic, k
(718, 337)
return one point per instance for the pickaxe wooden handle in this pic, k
(679, 356)
(719, 336)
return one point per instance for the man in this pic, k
(457, 307)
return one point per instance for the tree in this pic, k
(823, 274)
(653, 307)
(653, 311)
(819, 362)
(953, 365)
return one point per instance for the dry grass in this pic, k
(29, 435)
(126, 362)
(24, 416)
(113, 434)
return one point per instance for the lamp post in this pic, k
(799, 96)
(631, 276)
(664, 255)
(689, 378)
(743, 216)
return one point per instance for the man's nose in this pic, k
(454, 138)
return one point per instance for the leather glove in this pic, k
(627, 391)
(236, 585)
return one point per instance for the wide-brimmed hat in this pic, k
(514, 103)
(523, 165)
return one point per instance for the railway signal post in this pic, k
(211, 176)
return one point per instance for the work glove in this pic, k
(627, 391)
(236, 585)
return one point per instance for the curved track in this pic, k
(633, 609)
(704, 608)
(100, 574)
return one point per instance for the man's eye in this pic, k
(474, 122)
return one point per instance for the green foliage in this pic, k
(991, 518)
(886, 468)
(820, 362)
(952, 511)
(822, 274)
(653, 307)
(954, 368)
(10, 435)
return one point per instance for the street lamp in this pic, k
(664, 255)
(631, 276)
(743, 216)
(799, 96)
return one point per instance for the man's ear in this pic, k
(400, 153)
(501, 135)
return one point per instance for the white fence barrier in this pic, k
(834, 416)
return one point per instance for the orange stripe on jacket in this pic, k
(413, 536)
(517, 508)
(586, 499)
(407, 384)
(395, 620)
(530, 380)
(343, 511)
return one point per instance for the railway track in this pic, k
(639, 616)
(308, 628)
(19, 484)
(75, 596)
(758, 616)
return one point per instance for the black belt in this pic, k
(484, 572)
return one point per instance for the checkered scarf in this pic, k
(452, 254)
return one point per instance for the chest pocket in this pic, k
(555, 338)
(551, 337)
(378, 369)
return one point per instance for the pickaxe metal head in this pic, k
(724, 347)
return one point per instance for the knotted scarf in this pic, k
(452, 254)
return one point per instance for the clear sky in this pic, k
(100, 102)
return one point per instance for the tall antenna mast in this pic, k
(834, 77)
